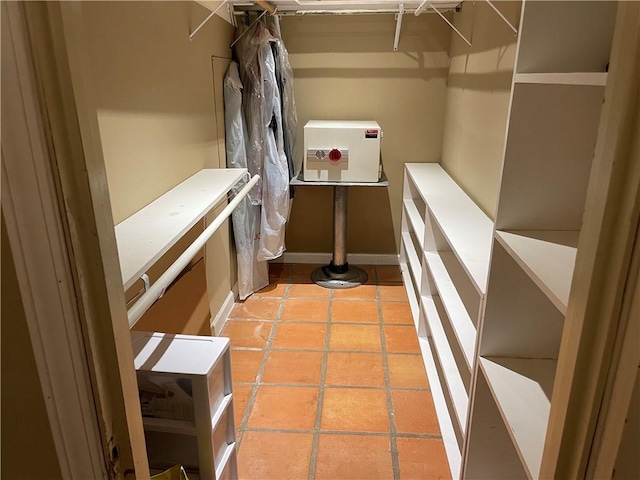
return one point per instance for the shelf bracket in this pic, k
(428, 4)
(495, 9)
(396, 39)
(197, 29)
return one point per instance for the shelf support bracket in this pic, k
(430, 5)
(422, 7)
(495, 9)
(396, 39)
(197, 29)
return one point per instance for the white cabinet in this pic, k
(187, 403)
(446, 242)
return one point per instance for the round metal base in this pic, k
(353, 277)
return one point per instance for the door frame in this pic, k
(57, 211)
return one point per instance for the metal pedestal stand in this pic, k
(339, 274)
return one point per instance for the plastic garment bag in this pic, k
(247, 50)
(275, 186)
(252, 274)
(284, 75)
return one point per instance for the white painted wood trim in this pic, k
(35, 230)
(442, 412)
(218, 322)
(325, 258)
(596, 79)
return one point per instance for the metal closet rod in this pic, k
(157, 290)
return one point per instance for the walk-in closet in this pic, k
(321, 239)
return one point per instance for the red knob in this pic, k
(335, 155)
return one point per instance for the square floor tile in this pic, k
(252, 334)
(363, 292)
(274, 456)
(388, 273)
(413, 412)
(422, 458)
(393, 293)
(355, 369)
(398, 313)
(275, 289)
(355, 337)
(245, 365)
(308, 290)
(303, 309)
(401, 339)
(302, 336)
(355, 410)
(293, 367)
(256, 307)
(284, 408)
(241, 394)
(353, 457)
(354, 311)
(407, 371)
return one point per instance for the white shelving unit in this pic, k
(148, 234)
(556, 99)
(446, 242)
(193, 425)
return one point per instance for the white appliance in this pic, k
(342, 151)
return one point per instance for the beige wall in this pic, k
(28, 451)
(345, 69)
(478, 89)
(160, 118)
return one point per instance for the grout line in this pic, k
(323, 375)
(393, 444)
(343, 432)
(265, 357)
(330, 387)
(319, 321)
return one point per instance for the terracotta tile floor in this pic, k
(330, 384)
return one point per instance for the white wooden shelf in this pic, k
(164, 425)
(444, 419)
(411, 292)
(417, 224)
(596, 79)
(522, 391)
(448, 367)
(464, 225)
(456, 311)
(148, 234)
(548, 257)
(413, 258)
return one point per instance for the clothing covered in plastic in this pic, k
(247, 50)
(252, 273)
(275, 183)
(284, 75)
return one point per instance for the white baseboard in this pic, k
(354, 258)
(217, 323)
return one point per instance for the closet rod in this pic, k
(158, 288)
(193, 34)
(515, 31)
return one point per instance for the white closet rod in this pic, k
(158, 288)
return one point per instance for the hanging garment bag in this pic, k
(252, 274)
